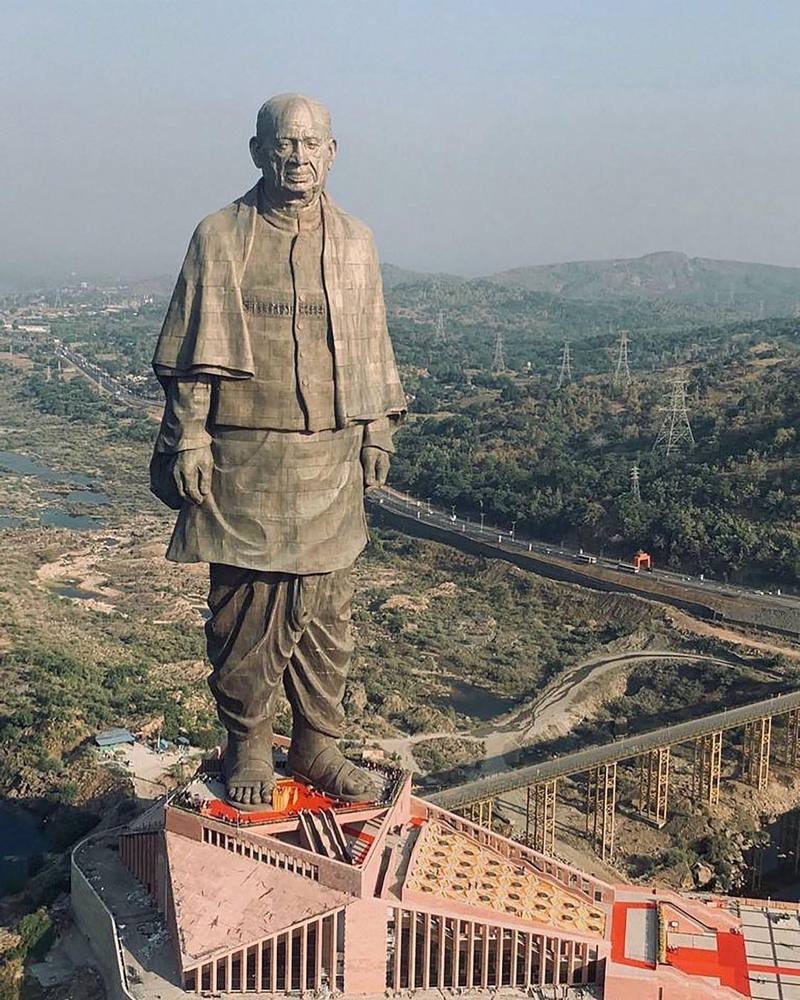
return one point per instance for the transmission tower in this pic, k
(439, 333)
(499, 362)
(622, 372)
(635, 487)
(675, 433)
(565, 375)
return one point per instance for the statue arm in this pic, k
(186, 409)
(376, 448)
(183, 464)
(379, 433)
(378, 445)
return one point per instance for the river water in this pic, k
(55, 514)
(24, 465)
(20, 841)
(476, 702)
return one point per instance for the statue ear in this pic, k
(333, 146)
(255, 152)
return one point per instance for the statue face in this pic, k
(296, 159)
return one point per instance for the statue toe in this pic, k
(327, 769)
(248, 771)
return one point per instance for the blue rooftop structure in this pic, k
(114, 738)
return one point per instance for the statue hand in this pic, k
(192, 474)
(375, 463)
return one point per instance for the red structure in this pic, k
(642, 561)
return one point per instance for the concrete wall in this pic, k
(365, 947)
(528, 560)
(769, 619)
(95, 921)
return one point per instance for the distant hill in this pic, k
(394, 276)
(735, 287)
(160, 286)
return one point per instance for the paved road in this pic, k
(632, 746)
(100, 378)
(651, 585)
(408, 509)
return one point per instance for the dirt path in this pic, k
(686, 623)
(568, 699)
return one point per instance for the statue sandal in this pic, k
(329, 771)
(248, 772)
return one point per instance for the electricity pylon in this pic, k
(439, 334)
(499, 360)
(675, 433)
(565, 374)
(622, 372)
(635, 487)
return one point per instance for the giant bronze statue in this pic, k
(282, 395)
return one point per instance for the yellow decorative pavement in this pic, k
(453, 866)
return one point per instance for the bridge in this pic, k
(476, 799)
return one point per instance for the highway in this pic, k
(632, 746)
(100, 378)
(409, 508)
(659, 585)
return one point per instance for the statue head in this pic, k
(293, 148)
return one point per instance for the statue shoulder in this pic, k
(347, 225)
(228, 222)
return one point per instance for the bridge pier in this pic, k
(654, 785)
(480, 813)
(601, 795)
(544, 816)
(789, 838)
(793, 737)
(756, 867)
(707, 768)
(756, 750)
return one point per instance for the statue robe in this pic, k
(282, 500)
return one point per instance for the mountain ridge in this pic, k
(663, 273)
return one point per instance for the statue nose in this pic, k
(299, 154)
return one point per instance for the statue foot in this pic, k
(248, 771)
(316, 760)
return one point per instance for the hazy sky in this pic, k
(473, 136)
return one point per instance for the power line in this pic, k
(675, 433)
(565, 374)
(499, 361)
(622, 372)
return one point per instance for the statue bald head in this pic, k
(294, 149)
(272, 111)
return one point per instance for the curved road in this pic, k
(552, 711)
(631, 746)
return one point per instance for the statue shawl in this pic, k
(205, 329)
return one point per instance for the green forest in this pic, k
(558, 462)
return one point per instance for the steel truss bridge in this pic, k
(476, 799)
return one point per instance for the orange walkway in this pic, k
(728, 963)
